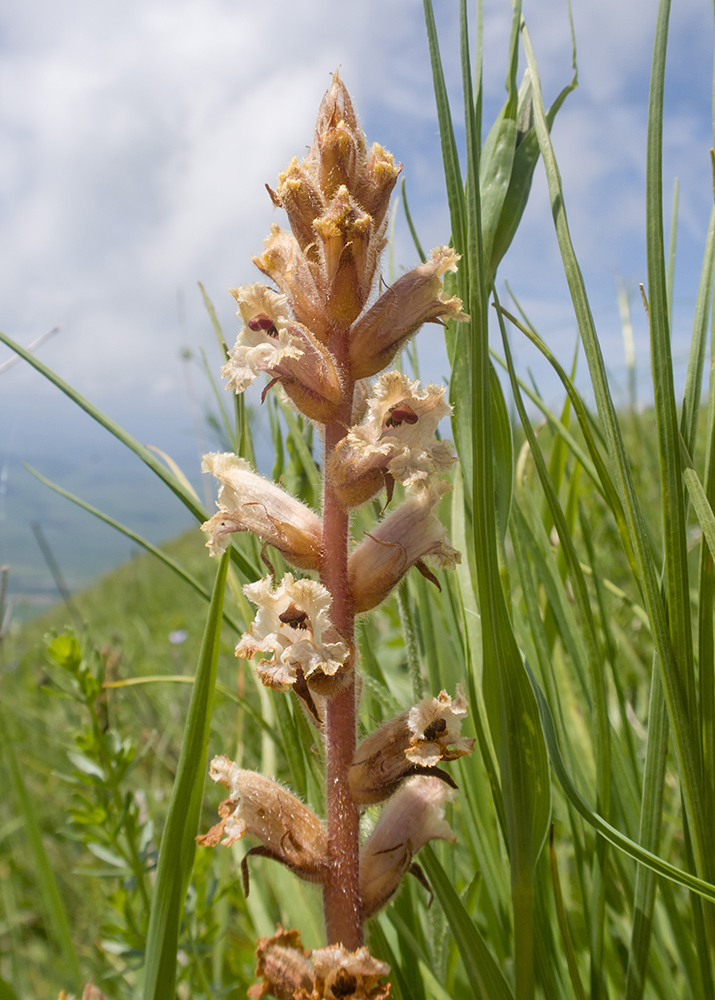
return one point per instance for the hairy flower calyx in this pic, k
(414, 299)
(249, 502)
(289, 832)
(412, 817)
(402, 540)
(414, 742)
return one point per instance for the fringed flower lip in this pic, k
(293, 624)
(395, 441)
(271, 341)
(288, 830)
(412, 743)
(250, 502)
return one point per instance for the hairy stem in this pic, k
(341, 895)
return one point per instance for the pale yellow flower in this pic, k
(293, 624)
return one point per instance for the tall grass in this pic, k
(580, 622)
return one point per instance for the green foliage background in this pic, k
(580, 621)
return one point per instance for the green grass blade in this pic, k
(698, 343)
(647, 575)
(410, 223)
(7, 992)
(648, 837)
(96, 414)
(178, 845)
(485, 977)
(58, 920)
(450, 157)
(175, 567)
(673, 503)
(597, 688)
(614, 836)
(571, 961)
(510, 702)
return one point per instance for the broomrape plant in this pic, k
(565, 618)
(333, 327)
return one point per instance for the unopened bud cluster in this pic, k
(328, 327)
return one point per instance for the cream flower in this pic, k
(272, 341)
(414, 742)
(249, 502)
(289, 832)
(293, 624)
(412, 817)
(399, 542)
(397, 436)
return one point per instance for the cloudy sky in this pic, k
(136, 137)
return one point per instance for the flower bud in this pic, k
(412, 817)
(414, 299)
(300, 196)
(293, 624)
(414, 742)
(298, 278)
(349, 256)
(338, 149)
(249, 502)
(289, 832)
(399, 542)
(376, 183)
(271, 341)
(396, 436)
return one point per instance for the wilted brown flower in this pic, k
(283, 965)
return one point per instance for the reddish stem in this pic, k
(341, 894)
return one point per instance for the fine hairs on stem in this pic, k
(324, 340)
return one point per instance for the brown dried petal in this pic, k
(283, 965)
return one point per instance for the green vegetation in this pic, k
(580, 622)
